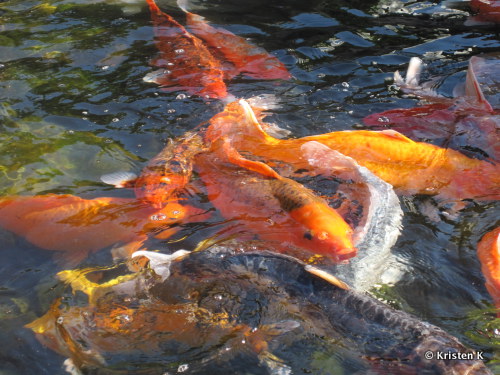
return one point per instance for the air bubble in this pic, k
(116, 119)
(181, 96)
(179, 51)
(183, 368)
(171, 110)
(345, 84)
(60, 320)
(383, 119)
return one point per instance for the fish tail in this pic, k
(183, 5)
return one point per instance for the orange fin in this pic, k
(235, 157)
(396, 135)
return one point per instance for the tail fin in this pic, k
(183, 4)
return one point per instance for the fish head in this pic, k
(326, 232)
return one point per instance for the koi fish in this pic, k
(125, 325)
(390, 155)
(275, 208)
(466, 121)
(77, 227)
(381, 215)
(206, 305)
(165, 176)
(184, 61)
(488, 10)
(246, 58)
(488, 252)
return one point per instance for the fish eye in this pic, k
(308, 235)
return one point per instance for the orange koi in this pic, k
(411, 167)
(169, 171)
(77, 226)
(488, 252)
(164, 177)
(273, 207)
(185, 62)
(247, 58)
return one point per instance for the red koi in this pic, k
(488, 10)
(79, 226)
(185, 62)
(488, 252)
(248, 59)
(275, 208)
(469, 120)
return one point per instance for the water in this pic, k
(74, 106)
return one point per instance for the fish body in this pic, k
(488, 10)
(169, 172)
(184, 61)
(488, 252)
(127, 325)
(273, 207)
(470, 120)
(390, 155)
(207, 305)
(247, 59)
(77, 226)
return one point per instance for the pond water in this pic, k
(74, 106)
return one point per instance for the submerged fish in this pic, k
(275, 208)
(184, 61)
(126, 326)
(166, 175)
(470, 121)
(77, 227)
(206, 306)
(411, 167)
(488, 252)
(247, 59)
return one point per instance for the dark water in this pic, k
(73, 106)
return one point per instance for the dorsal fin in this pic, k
(472, 87)
(254, 122)
(395, 134)
(256, 166)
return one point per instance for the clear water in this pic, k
(73, 106)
